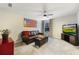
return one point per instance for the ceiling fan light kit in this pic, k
(45, 15)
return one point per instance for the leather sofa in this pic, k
(28, 36)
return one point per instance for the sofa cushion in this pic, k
(25, 33)
(41, 36)
(32, 37)
(26, 36)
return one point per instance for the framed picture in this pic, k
(30, 23)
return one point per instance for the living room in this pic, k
(43, 20)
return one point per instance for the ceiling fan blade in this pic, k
(50, 14)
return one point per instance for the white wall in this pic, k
(14, 22)
(58, 22)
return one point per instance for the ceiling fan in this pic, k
(45, 11)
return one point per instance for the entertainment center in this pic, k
(70, 33)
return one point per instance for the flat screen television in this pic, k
(70, 29)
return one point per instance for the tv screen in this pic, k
(70, 29)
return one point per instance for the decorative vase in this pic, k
(5, 38)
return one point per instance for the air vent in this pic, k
(9, 4)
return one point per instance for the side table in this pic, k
(7, 48)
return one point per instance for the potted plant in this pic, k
(5, 34)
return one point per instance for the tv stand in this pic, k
(69, 38)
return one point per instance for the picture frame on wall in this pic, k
(30, 22)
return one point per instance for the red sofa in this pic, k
(28, 36)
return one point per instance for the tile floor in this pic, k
(52, 47)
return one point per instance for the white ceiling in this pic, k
(57, 9)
